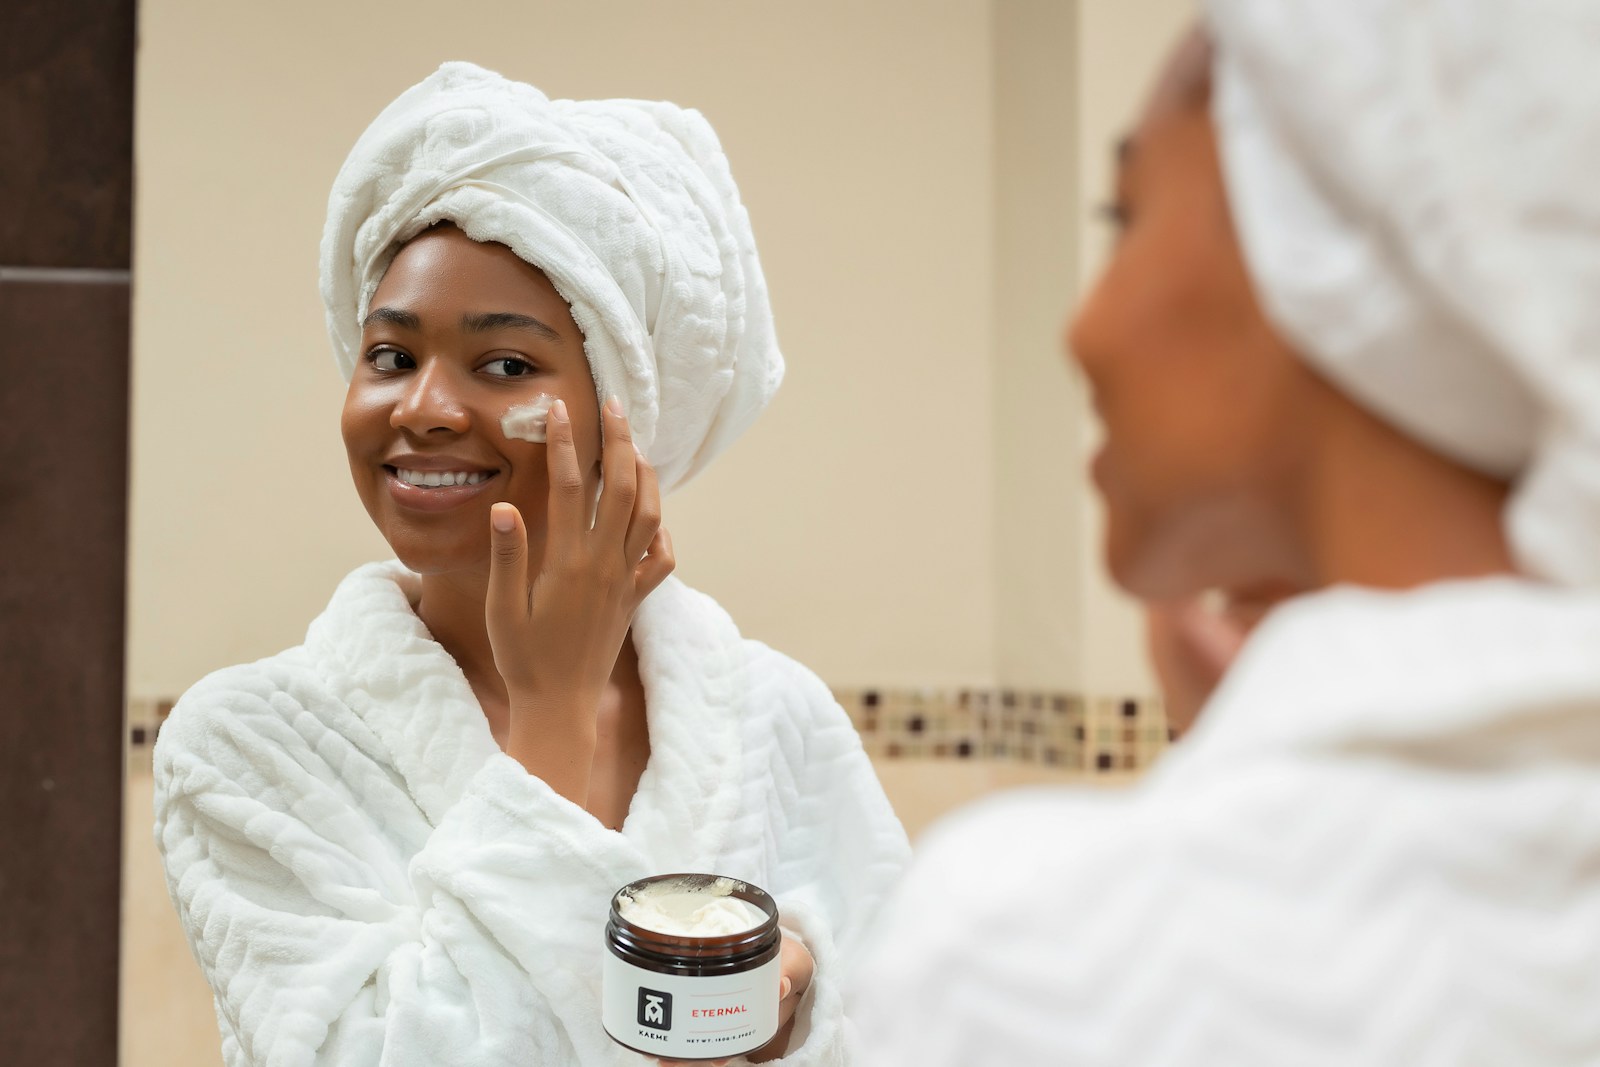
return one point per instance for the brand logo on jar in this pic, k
(655, 1009)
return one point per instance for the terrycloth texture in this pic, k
(365, 878)
(627, 206)
(1381, 847)
(1414, 184)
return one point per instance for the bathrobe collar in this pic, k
(383, 663)
(1465, 673)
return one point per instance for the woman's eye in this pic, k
(508, 368)
(391, 359)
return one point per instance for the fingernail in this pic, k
(784, 987)
(503, 518)
(614, 405)
(558, 410)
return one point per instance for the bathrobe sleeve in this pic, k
(838, 846)
(335, 926)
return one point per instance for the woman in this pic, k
(397, 842)
(1347, 354)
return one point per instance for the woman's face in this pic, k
(459, 332)
(1207, 413)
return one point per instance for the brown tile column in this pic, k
(66, 177)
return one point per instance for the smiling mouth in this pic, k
(440, 479)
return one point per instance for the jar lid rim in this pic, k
(741, 889)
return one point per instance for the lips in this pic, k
(435, 483)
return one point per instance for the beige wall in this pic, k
(851, 527)
(909, 512)
(1038, 488)
(1059, 622)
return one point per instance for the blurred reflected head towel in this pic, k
(1422, 219)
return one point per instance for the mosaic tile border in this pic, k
(1107, 735)
(144, 720)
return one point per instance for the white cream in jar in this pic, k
(701, 911)
(692, 967)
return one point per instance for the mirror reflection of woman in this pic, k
(397, 842)
(1347, 356)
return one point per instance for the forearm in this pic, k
(554, 740)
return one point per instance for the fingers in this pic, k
(656, 565)
(1191, 647)
(797, 967)
(508, 567)
(646, 519)
(568, 517)
(1212, 639)
(628, 516)
(619, 465)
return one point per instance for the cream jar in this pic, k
(691, 968)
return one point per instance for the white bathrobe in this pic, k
(365, 878)
(1379, 848)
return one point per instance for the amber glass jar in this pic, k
(688, 997)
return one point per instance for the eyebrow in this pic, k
(472, 322)
(483, 321)
(394, 317)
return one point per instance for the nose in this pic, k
(431, 403)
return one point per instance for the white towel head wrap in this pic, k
(1416, 185)
(627, 206)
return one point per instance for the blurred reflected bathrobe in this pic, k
(363, 875)
(366, 878)
(1380, 847)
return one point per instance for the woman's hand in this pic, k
(1193, 643)
(796, 969)
(556, 635)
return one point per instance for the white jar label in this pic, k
(697, 1017)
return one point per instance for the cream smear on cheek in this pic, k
(527, 422)
(711, 911)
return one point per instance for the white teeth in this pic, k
(433, 479)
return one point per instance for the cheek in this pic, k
(1172, 346)
(364, 420)
(350, 429)
(361, 425)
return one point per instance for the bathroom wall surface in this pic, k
(850, 527)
